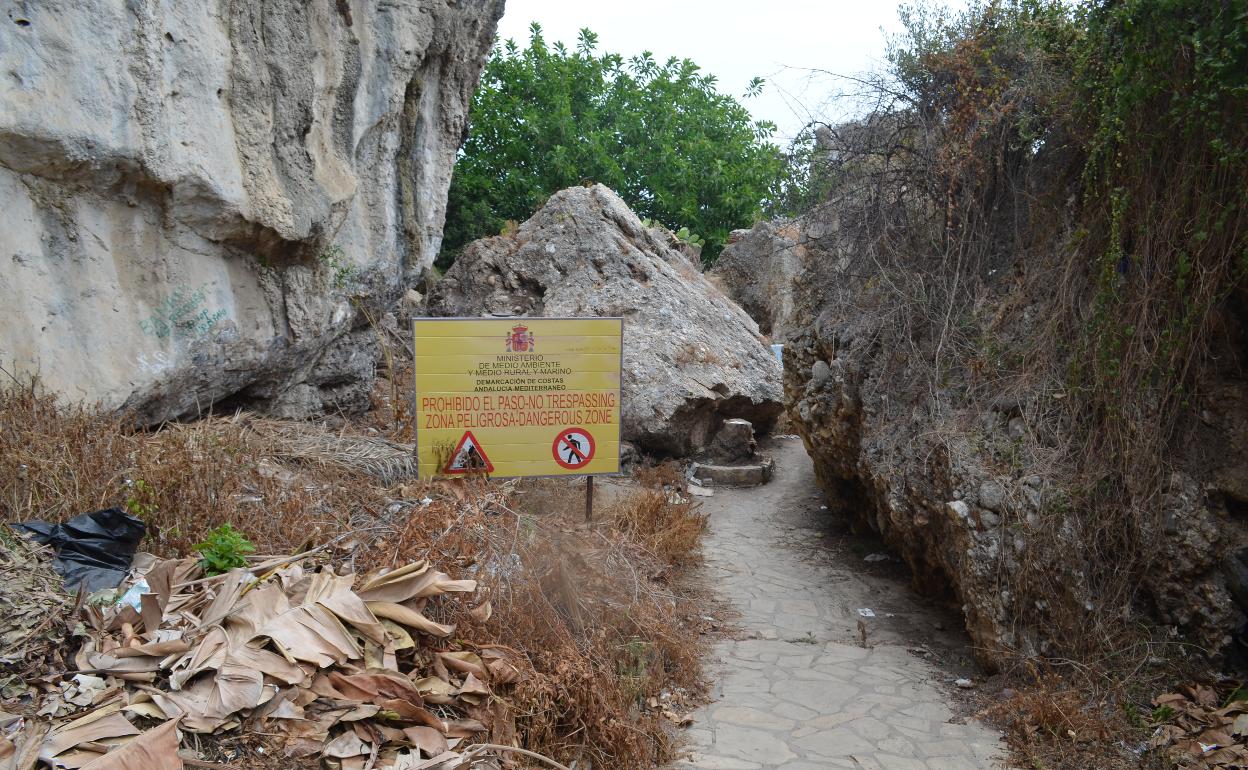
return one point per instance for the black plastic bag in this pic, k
(94, 550)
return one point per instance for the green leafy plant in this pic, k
(141, 501)
(658, 133)
(224, 549)
(344, 271)
(684, 236)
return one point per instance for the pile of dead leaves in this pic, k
(355, 674)
(1200, 729)
(33, 610)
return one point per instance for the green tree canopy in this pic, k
(661, 135)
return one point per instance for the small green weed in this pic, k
(345, 272)
(141, 501)
(225, 549)
(685, 236)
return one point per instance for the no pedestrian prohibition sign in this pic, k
(573, 448)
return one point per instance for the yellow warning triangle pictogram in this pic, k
(468, 457)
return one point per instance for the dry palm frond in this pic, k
(388, 461)
(33, 606)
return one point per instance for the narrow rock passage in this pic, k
(795, 688)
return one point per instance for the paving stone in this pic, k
(890, 700)
(795, 661)
(915, 735)
(950, 748)
(895, 744)
(753, 745)
(891, 762)
(803, 607)
(794, 711)
(814, 674)
(786, 703)
(709, 762)
(954, 763)
(838, 742)
(751, 717)
(818, 695)
(828, 721)
(913, 723)
(937, 712)
(870, 728)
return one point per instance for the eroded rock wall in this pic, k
(201, 198)
(963, 473)
(692, 357)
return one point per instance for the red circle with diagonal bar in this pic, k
(573, 448)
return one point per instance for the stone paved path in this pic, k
(796, 689)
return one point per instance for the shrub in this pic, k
(660, 134)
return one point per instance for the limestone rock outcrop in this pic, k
(202, 199)
(692, 357)
(962, 477)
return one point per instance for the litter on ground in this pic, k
(352, 670)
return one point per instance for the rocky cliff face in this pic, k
(963, 475)
(691, 356)
(202, 197)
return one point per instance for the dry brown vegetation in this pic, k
(1075, 720)
(591, 610)
(655, 519)
(1057, 722)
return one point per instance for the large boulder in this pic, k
(759, 268)
(203, 199)
(692, 357)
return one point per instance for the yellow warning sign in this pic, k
(518, 396)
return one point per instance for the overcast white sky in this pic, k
(736, 40)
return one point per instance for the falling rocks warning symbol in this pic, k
(468, 457)
(573, 447)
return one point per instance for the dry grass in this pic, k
(1050, 724)
(659, 518)
(57, 462)
(590, 610)
(610, 619)
(1068, 716)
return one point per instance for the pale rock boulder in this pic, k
(202, 198)
(759, 269)
(692, 357)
